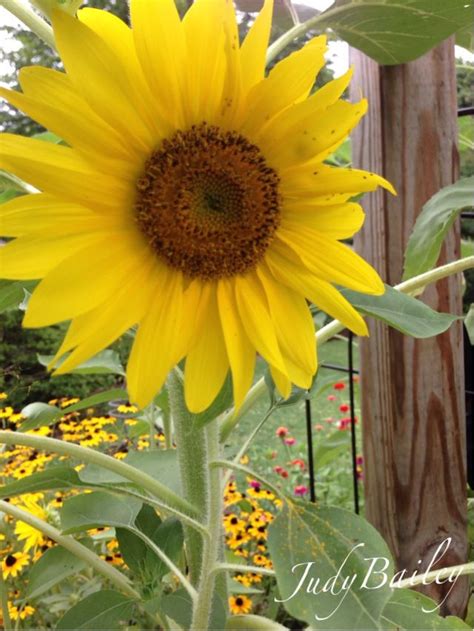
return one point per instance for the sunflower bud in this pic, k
(47, 6)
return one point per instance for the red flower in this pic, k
(339, 385)
(344, 408)
(281, 432)
(290, 441)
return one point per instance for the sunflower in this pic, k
(193, 198)
(240, 604)
(13, 564)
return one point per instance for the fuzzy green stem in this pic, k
(239, 567)
(248, 442)
(227, 464)
(32, 20)
(76, 548)
(230, 419)
(412, 286)
(428, 577)
(7, 623)
(167, 429)
(102, 460)
(192, 458)
(213, 545)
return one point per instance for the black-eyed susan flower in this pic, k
(22, 612)
(192, 182)
(14, 563)
(31, 537)
(240, 604)
(127, 408)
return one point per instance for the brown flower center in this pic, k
(208, 203)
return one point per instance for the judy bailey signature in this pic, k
(375, 577)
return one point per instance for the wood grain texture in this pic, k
(413, 399)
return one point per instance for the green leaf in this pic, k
(255, 623)
(432, 225)
(330, 448)
(396, 32)
(91, 510)
(178, 606)
(12, 293)
(402, 312)
(52, 567)
(139, 557)
(321, 542)
(51, 479)
(40, 416)
(105, 609)
(469, 323)
(161, 464)
(139, 429)
(105, 363)
(405, 610)
(465, 37)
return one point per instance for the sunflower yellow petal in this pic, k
(329, 182)
(212, 42)
(240, 350)
(286, 268)
(63, 172)
(333, 261)
(314, 138)
(336, 222)
(156, 346)
(94, 70)
(254, 48)
(48, 215)
(75, 286)
(289, 82)
(293, 323)
(93, 331)
(255, 315)
(281, 381)
(207, 363)
(84, 131)
(34, 256)
(120, 39)
(161, 49)
(293, 117)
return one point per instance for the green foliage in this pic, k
(402, 312)
(55, 565)
(105, 609)
(92, 510)
(433, 223)
(394, 33)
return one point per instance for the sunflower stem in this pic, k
(7, 623)
(213, 545)
(75, 547)
(192, 459)
(31, 19)
(91, 456)
(413, 286)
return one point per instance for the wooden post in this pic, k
(413, 399)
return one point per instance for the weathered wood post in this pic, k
(413, 399)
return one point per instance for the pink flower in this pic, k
(318, 427)
(343, 423)
(339, 385)
(344, 408)
(281, 432)
(301, 490)
(255, 484)
(331, 397)
(329, 419)
(290, 441)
